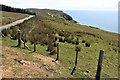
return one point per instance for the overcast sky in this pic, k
(64, 4)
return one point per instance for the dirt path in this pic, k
(15, 65)
(15, 23)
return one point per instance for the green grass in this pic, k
(88, 56)
(82, 28)
(87, 60)
(8, 17)
(76, 28)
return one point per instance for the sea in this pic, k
(105, 20)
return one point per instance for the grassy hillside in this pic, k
(50, 24)
(8, 17)
(34, 66)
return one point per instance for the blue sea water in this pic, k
(105, 20)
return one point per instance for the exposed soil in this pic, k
(16, 66)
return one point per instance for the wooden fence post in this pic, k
(77, 49)
(34, 44)
(57, 52)
(19, 38)
(76, 58)
(99, 67)
(24, 41)
(73, 70)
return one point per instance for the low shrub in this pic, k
(87, 44)
(56, 38)
(109, 43)
(73, 41)
(14, 33)
(14, 37)
(77, 41)
(53, 37)
(52, 48)
(5, 32)
(31, 41)
(61, 39)
(77, 48)
(43, 39)
(115, 49)
(68, 39)
(83, 41)
(55, 44)
(61, 33)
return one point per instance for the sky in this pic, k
(104, 5)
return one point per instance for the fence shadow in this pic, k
(73, 70)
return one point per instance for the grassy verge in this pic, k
(8, 17)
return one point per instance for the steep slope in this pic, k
(52, 23)
(52, 14)
(17, 64)
(63, 22)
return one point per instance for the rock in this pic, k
(86, 72)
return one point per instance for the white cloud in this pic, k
(65, 4)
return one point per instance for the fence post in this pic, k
(77, 49)
(57, 52)
(34, 44)
(99, 67)
(76, 58)
(19, 38)
(24, 41)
